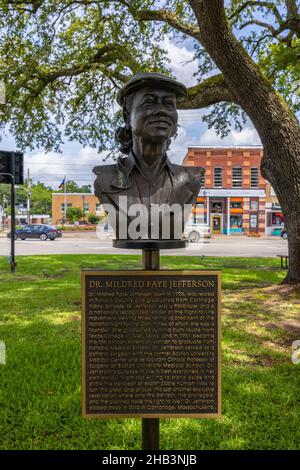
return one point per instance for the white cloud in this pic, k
(51, 167)
(78, 165)
(179, 146)
(182, 62)
(248, 136)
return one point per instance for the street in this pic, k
(89, 244)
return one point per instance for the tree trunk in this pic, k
(276, 125)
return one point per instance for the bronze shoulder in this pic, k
(105, 176)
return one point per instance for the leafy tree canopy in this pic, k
(62, 62)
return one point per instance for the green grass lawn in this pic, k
(40, 385)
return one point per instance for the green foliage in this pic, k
(224, 117)
(62, 65)
(73, 187)
(93, 219)
(40, 199)
(74, 214)
(40, 391)
(63, 62)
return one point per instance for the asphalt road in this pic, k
(223, 246)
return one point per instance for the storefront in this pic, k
(236, 215)
(231, 212)
(274, 219)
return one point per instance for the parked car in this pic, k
(41, 231)
(195, 232)
(284, 234)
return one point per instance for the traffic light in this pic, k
(11, 163)
(19, 168)
(5, 167)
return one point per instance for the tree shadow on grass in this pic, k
(41, 402)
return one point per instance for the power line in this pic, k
(60, 164)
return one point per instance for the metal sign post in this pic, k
(12, 217)
(150, 426)
(12, 172)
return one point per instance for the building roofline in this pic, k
(227, 147)
(73, 194)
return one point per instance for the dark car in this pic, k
(37, 231)
(284, 234)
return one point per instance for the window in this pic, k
(202, 179)
(277, 218)
(254, 177)
(236, 205)
(254, 205)
(216, 207)
(237, 177)
(98, 207)
(199, 213)
(236, 222)
(253, 221)
(62, 206)
(218, 180)
(86, 207)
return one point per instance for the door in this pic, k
(216, 222)
(254, 222)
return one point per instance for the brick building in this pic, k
(85, 201)
(235, 197)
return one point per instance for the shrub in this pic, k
(93, 219)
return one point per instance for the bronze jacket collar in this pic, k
(123, 179)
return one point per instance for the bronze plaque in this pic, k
(151, 344)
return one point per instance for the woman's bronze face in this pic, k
(153, 115)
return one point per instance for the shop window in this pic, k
(254, 205)
(277, 218)
(237, 175)
(199, 214)
(218, 178)
(217, 207)
(253, 221)
(254, 177)
(236, 222)
(236, 205)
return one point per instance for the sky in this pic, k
(76, 162)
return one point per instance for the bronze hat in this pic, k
(152, 79)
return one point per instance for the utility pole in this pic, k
(65, 199)
(28, 196)
(12, 172)
(4, 203)
(12, 216)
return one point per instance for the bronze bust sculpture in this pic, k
(146, 176)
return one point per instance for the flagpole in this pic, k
(65, 198)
